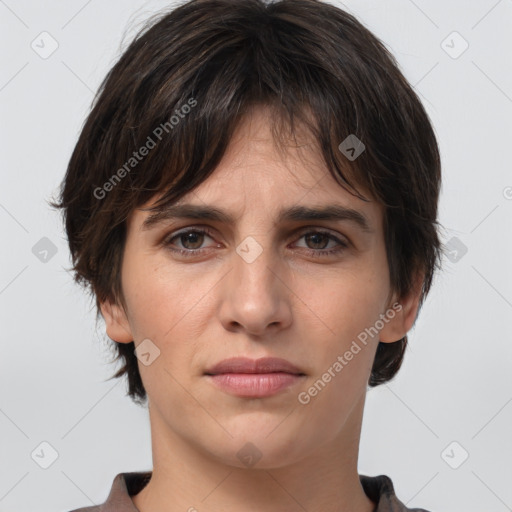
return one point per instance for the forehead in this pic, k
(257, 175)
(254, 157)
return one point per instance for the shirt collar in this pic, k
(378, 488)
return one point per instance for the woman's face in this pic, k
(262, 285)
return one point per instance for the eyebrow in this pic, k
(329, 212)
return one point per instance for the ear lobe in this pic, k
(117, 325)
(405, 312)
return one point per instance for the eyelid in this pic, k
(187, 229)
(321, 229)
(294, 232)
(342, 241)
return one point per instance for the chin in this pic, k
(259, 446)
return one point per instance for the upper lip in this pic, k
(247, 365)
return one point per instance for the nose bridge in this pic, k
(254, 296)
(252, 263)
(253, 253)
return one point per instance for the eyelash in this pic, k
(204, 231)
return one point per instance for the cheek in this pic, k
(347, 303)
(166, 305)
(345, 342)
(147, 301)
(345, 349)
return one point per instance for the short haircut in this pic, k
(181, 89)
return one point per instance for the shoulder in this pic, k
(122, 488)
(381, 491)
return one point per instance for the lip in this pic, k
(247, 365)
(254, 378)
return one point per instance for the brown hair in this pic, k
(180, 90)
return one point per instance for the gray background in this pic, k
(455, 384)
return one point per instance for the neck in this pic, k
(185, 478)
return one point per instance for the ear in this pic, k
(118, 327)
(405, 310)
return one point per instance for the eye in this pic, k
(319, 239)
(191, 240)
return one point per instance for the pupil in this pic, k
(193, 239)
(189, 237)
(319, 235)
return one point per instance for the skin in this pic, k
(202, 309)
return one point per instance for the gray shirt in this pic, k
(378, 488)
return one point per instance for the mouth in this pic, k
(263, 365)
(254, 378)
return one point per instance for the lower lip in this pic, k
(254, 385)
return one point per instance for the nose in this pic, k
(255, 295)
